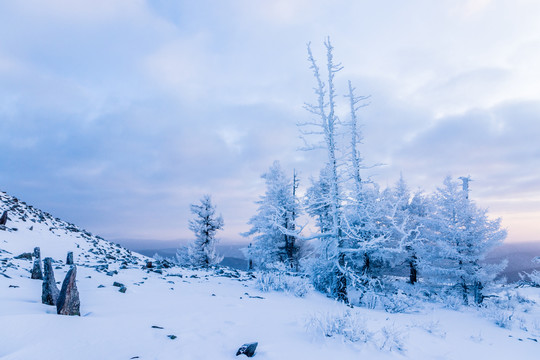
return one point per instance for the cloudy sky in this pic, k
(116, 115)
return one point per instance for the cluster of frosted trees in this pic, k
(365, 235)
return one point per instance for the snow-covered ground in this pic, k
(212, 313)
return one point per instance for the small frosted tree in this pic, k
(274, 225)
(205, 224)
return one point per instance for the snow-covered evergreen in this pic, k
(205, 224)
(459, 235)
(274, 226)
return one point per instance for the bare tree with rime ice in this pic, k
(326, 124)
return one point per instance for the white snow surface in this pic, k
(212, 313)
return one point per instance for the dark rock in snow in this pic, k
(122, 289)
(149, 265)
(247, 349)
(14, 286)
(68, 301)
(24, 256)
(156, 327)
(49, 291)
(69, 258)
(101, 286)
(117, 284)
(36, 270)
(172, 337)
(4, 218)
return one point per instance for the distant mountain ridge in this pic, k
(519, 256)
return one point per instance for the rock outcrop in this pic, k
(68, 301)
(247, 349)
(36, 269)
(69, 258)
(4, 218)
(49, 291)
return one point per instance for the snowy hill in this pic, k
(179, 313)
(28, 227)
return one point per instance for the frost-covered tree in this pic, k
(316, 201)
(459, 234)
(415, 242)
(205, 224)
(274, 225)
(326, 123)
(534, 276)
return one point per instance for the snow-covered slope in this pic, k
(178, 313)
(28, 227)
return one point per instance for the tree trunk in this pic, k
(341, 279)
(465, 292)
(367, 264)
(413, 272)
(477, 289)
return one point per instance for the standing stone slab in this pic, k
(68, 301)
(3, 219)
(36, 270)
(49, 291)
(69, 259)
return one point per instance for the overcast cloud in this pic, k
(116, 115)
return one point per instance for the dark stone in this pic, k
(247, 349)
(14, 286)
(68, 301)
(36, 270)
(149, 265)
(4, 218)
(117, 284)
(69, 258)
(49, 291)
(165, 264)
(24, 256)
(156, 327)
(172, 337)
(122, 289)
(101, 286)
